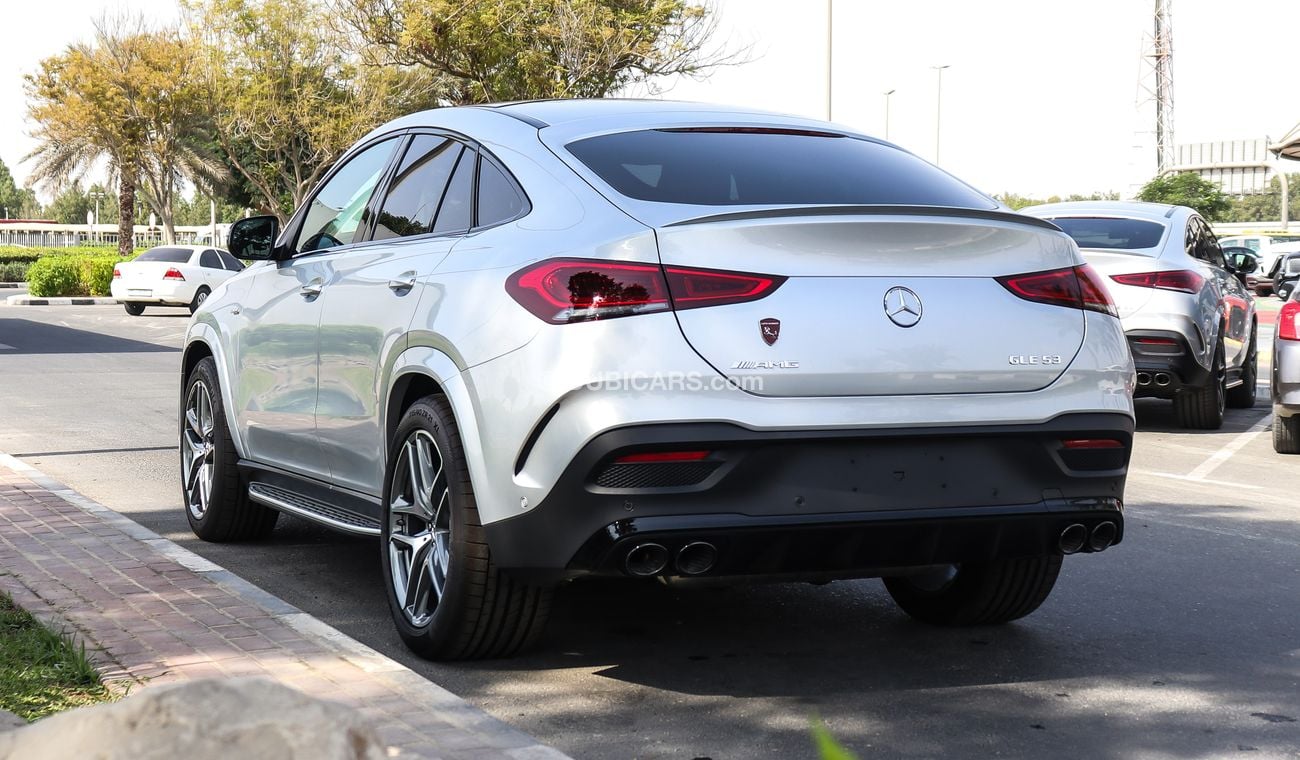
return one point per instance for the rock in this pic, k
(10, 721)
(202, 720)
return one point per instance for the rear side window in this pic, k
(417, 187)
(749, 166)
(1122, 234)
(458, 202)
(169, 255)
(498, 200)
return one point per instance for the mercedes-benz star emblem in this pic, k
(902, 306)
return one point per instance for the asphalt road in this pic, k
(1184, 641)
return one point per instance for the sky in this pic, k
(1041, 97)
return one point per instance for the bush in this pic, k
(55, 276)
(13, 253)
(96, 274)
(14, 271)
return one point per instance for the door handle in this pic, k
(311, 289)
(402, 283)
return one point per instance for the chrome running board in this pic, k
(312, 509)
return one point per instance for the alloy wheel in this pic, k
(198, 449)
(419, 528)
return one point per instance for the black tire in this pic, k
(1286, 434)
(228, 514)
(200, 296)
(134, 309)
(986, 593)
(1284, 292)
(1203, 408)
(1243, 396)
(482, 612)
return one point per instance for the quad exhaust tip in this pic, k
(1072, 539)
(646, 560)
(1144, 378)
(1102, 536)
(1163, 379)
(697, 558)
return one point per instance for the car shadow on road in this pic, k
(24, 336)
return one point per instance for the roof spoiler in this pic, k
(870, 210)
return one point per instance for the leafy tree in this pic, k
(1187, 189)
(491, 50)
(10, 196)
(1016, 202)
(71, 205)
(288, 98)
(1266, 206)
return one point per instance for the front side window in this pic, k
(230, 262)
(335, 211)
(732, 166)
(417, 187)
(209, 260)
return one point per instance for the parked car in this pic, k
(172, 275)
(1189, 319)
(1286, 377)
(1267, 248)
(1261, 282)
(530, 342)
(1285, 275)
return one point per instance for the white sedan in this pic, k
(172, 275)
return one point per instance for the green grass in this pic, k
(42, 672)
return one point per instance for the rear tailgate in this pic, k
(891, 303)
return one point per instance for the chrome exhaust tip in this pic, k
(1163, 379)
(1072, 539)
(1103, 535)
(696, 558)
(1144, 378)
(645, 560)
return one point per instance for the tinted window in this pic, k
(417, 187)
(458, 203)
(230, 262)
(336, 209)
(1098, 232)
(728, 167)
(169, 255)
(498, 200)
(1208, 246)
(210, 260)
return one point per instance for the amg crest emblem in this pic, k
(771, 329)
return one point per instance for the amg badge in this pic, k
(770, 329)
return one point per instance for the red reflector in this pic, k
(1075, 287)
(1288, 321)
(1182, 280)
(1156, 341)
(560, 291)
(662, 456)
(1092, 443)
(174, 274)
(117, 273)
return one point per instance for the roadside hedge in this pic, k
(71, 275)
(10, 254)
(14, 271)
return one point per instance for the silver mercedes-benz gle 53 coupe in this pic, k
(1188, 315)
(530, 342)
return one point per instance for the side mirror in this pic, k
(1243, 263)
(253, 238)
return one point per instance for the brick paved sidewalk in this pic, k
(155, 613)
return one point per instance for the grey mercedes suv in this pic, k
(525, 343)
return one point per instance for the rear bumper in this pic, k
(153, 292)
(839, 503)
(1165, 363)
(1285, 388)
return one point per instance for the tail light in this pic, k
(1288, 321)
(1076, 287)
(1182, 280)
(117, 273)
(174, 274)
(561, 291)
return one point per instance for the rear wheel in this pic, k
(984, 593)
(1243, 396)
(1286, 434)
(134, 309)
(216, 502)
(1202, 408)
(1284, 292)
(448, 599)
(199, 297)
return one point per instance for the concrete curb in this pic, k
(512, 743)
(70, 301)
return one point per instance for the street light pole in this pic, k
(887, 94)
(938, 108)
(830, 40)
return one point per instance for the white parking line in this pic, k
(1206, 481)
(1231, 447)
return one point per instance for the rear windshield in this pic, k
(1123, 234)
(169, 255)
(746, 166)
